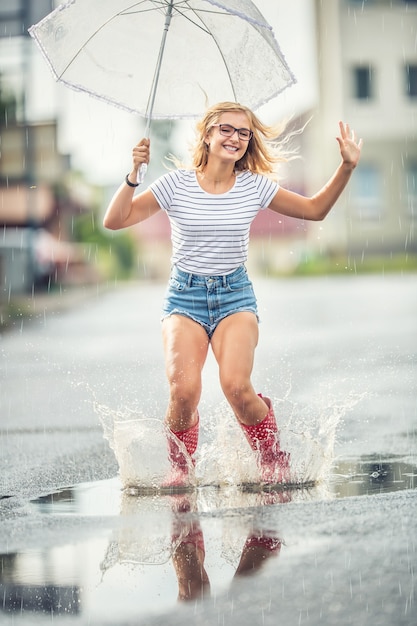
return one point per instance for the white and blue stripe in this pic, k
(210, 232)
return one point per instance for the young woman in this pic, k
(210, 299)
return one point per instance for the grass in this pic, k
(352, 265)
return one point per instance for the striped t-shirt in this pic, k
(210, 232)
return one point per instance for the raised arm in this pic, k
(125, 209)
(318, 206)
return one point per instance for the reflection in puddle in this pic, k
(158, 550)
(45, 599)
(372, 475)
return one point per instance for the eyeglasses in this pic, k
(228, 131)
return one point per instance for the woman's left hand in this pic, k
(350, 148)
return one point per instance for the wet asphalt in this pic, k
(348, 343)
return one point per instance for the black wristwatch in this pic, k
(127, 181)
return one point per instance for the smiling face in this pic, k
(228, 148)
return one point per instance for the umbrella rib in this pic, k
(194, 11)
(158, 4)
(126, 11)
(207, 30)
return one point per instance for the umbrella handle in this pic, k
(142, 173)
(149, 108)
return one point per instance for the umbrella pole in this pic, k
(152, 95)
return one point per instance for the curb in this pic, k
(27, 308)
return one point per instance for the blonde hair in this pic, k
(264, 148)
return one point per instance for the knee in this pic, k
(237, 391)
(185, 393)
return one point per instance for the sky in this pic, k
(100, 137)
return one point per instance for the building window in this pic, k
(411, 188)
(363, 82)
(367, 191)
(361, 2)
(411, 80)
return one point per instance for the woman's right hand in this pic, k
(140, 154)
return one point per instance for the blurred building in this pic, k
(367, 60)
(37, 201)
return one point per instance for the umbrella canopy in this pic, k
(188, 53)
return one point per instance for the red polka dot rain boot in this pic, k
(263, 438)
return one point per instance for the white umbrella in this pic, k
(164, 59)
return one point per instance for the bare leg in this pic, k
(193, 581)
(188, 560)
(185, 346)
(188, 556)
(256, 551)
(234, 342)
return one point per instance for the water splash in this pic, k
(143, 538)
(223, 457)
(310, 433)
(140, 445)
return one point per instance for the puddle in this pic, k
(372, 475)
(134, 563)
(140, 563)
(368, 476)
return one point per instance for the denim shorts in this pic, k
(209, 299)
